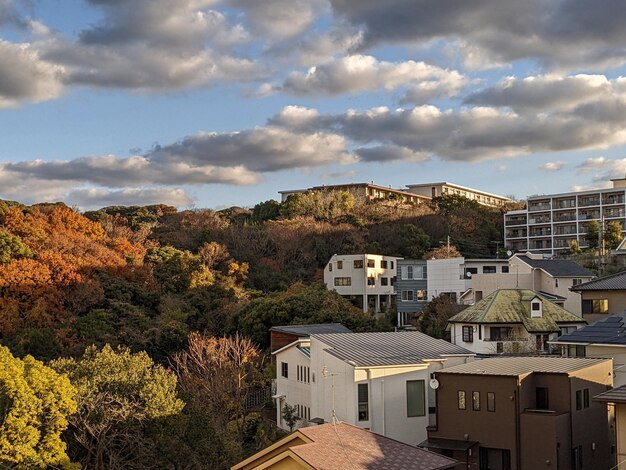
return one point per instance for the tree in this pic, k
(11, 247)
(117, 393)
(435, 317)
(35, 403)
(443, 252)
(290, 416)
(592, 233)
(613, 234)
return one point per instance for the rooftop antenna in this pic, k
(326, 373)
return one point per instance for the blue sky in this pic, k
(212, 103)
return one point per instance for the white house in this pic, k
(377, 381)
(367, 280)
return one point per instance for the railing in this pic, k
(258, 397)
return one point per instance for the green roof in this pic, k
(513, 306)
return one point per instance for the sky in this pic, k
(215, 103)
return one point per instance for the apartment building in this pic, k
(524, 413)
(366, 280)
(365, 192)
(411, 289)
(377, 381)
(432, 190)
(551, 222)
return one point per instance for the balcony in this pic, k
(614, 212)
(516, 221)
(565, 216)
(539, 206)
(542, 232)
(588, 201)
(516, 234)
(608, 199)
(564, 203)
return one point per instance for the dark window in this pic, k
(390, 264)
(343, 281)
(284, 369)
(489, 269)
(371, 281)
(415, 398)
(358, 263)
(339, 264)
(407, 295)
(543, 399)
(371, 263)
(556, 283)
(491, 401)
(363, 393)
(383, 264)
(468, 334)
(476, 401)
(494, 459)
(576, 351)
(409, 272)
(393, 281)
(462, 404)
(384, 281)
(505, 269)
(586, 398)
(330, 266)
(596, 306)
(536, 306)
(500, 333)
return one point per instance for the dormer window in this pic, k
(536, 308)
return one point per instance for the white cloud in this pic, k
(552, 166)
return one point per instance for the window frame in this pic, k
(366, 402)
(358, 264)
(475, 401)
(461, 400)
(421, 410)
(491, 402)
(467, 333)
(284, 369)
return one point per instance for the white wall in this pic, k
(446, 275)
(296, 392)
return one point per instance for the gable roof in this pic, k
(387, 348)
(610, 330)
(616, 395)
(308, 330)
(513, 306)
(516, 366)
(615, 281)
(557, 267)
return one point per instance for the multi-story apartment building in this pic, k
(366, 280)
(411, 289)
(550, 223)
(524, 413)
(431, 190)
(365, 192)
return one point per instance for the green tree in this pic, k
(11, 247)
(435, 317)
(290, 416)
(267, 210)
(592, 233)
(118, 393)
(35, 403)
(613, 234)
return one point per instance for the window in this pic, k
(343, 281)
(384, 281)
(468, 334)
(500, 333)
(556, 282)
(407, 295)
(542, 398)
(371, 263)
(566, 330)
(393, 281)
(358, 264)
(383, 264)
(421, 294)
(596, 306)
(575, 282)
(489, 269)
(462, 405)
(339, 264)
(409, 272)
(371, 281)
(576, 351)
(363, 395)
(491, 401)
(494, 458)
(391, 265)
(505, 269)
(284, 369)
(536, 306)
(582, 399)
(415, 395)
(476, 401)
(330, 266)
(469, 272)
(298, 373)
(586, 398)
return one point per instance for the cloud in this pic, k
(24, 76)
(552, 166)
(95, 198)
(390, 153)
(563, 34)
(360, 73)
(338, 175)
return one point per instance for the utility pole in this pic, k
(498, 243)
(448, 246)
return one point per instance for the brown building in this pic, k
(281, 336)
(524, 413)
(603, 296)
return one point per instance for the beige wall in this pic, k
(619, 360)
(620, 430)
(617, 303)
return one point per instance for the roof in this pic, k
(609, 330)
(513, 306)
(450, 444)
(615, 281)
(350, 447)
(388, 348)
(308, 330)
(458, 186)
(616, 395)
(557, 267)
(516, 366)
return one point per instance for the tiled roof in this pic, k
(387, 348)
(610, 330)
(308, 330)
(613, 282)
(516, 366)
(513, 306)
(616, 395)
(343, 446)
(557, 267)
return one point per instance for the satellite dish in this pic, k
(509, 253)
(434, 384)
(468, 274)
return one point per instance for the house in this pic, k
(551, 277)
(604, 338)
(524, 413)
(364, 192)
(376, 381)
(550, 223)
(511, 321)
(602, 296)
(411, 289)
(343, 446)
(444, 188)
(366, 280)
(281, 336)
(617, 398)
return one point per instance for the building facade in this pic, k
(602, 296)
(550, 223)
(411, 289)
(366, 280)
(365, 192)
(432, 190)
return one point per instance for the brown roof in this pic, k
(616, 395)
(344, 446)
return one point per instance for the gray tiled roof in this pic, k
(308, 330)
(516, 366)
(557, 267)
(616, 395)
(610, 330)
(613, 282)
(387, 348)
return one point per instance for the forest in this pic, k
(133, 337)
